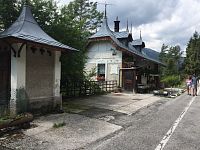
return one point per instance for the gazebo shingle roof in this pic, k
(26, 28)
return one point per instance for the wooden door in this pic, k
(128, 80)
(4, 77)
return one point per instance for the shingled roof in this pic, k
(26, 28)
(121, 35)
(137, 42)
(105, 31)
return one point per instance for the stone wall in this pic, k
(39, 78)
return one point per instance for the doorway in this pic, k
(129, 80)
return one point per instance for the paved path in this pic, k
(119, 122)
(91, 124)
(126, 103)
(77, 132)
(187, 134)
(147, 128)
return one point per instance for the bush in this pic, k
(171, 81)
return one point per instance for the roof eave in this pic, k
(52, 47)
(108, 38)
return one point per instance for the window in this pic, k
(101, 72)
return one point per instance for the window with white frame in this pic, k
(101, 72)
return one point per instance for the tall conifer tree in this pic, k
(192, 61)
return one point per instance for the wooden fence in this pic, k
(86, 88)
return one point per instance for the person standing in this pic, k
(189, 84)
(194, 85)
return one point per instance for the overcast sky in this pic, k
(161, 21)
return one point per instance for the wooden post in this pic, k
(134, 81)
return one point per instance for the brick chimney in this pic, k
(116, 23)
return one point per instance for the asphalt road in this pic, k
(146, 129)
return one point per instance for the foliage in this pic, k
(79, 19)
(84, 15)
(58, 125)
(9, 11)
(170, 74)
(171, 80)
(22, 101)
(46, 13)
(171, 56)
(90, 74)
(192, 61)
(5, 119)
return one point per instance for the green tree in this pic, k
(170, 55)
(79, 19)
(171, 80)
(85, 15)
(9, 11)
(192, 61)
(46, 14)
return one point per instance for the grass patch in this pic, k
(5, 120)
(58, 125)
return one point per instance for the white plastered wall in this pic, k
(18, 75)
(102, 53)
(57, 78)
(57, 74)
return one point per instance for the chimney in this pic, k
(116, 27)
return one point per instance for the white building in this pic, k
(116, 56)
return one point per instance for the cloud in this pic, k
(161, 21)
(143, 11)
(179, 28)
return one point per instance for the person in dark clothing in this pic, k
(194, 85)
